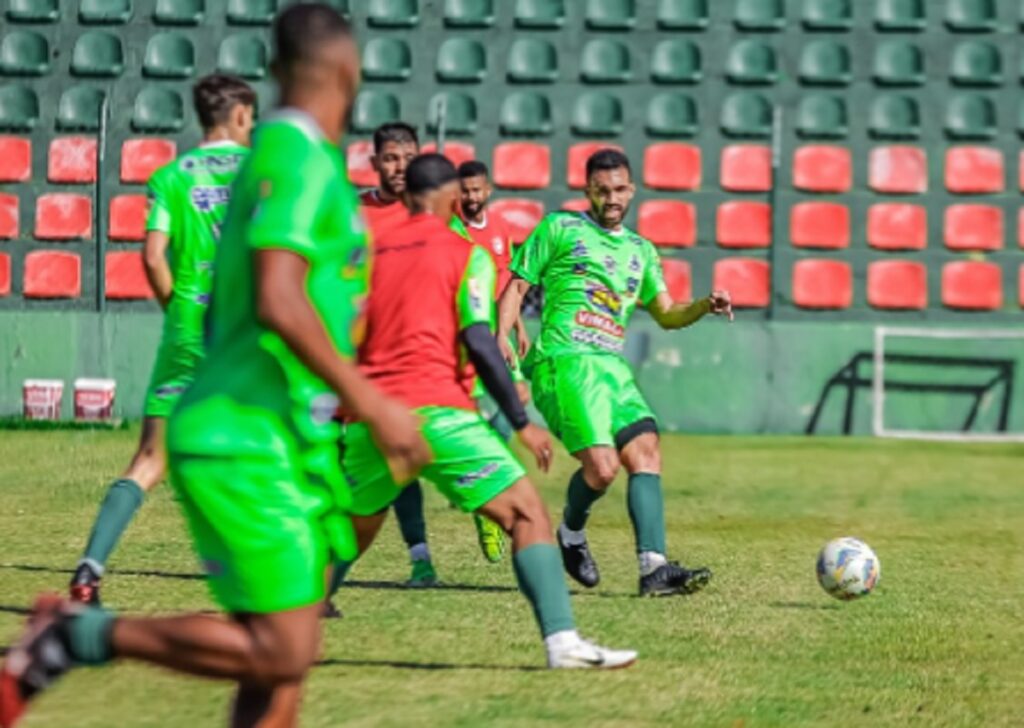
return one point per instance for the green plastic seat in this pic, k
(605, 61)
(969, 116)
(179, 12)
(461, 60)
(33, 11)
(676, 61)
(525, 113)
(746, 115)
(900, 15)
(169, 55)
(898, 63)
(672, 115)
(597, 114)
(19, 108)
(97, 54)
(459, 113)
(532, 60)
(894, 117)
(834, 15)
(539, 14)
(244, 56)
(393, 13)
(373, 108)
(976, 63)
(158, 111)
(821, 117)
(80, 108)
(1020, 118)
(825, 63)
(751, 62)
(469, 13)
(610, 14)
(971, 16)
(386, 59)
(251, 12)
(759, 15)
(682, 14)
(24, 53)
(104, 12)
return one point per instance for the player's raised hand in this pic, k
(721, 304)
(538, 441)
(396, 430)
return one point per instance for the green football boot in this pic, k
(491, 538)
(423, 575)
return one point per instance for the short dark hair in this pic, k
(429, 172)
(473, 168)
(608, 158)
(216, 95)
(301, 29)
(394, 131)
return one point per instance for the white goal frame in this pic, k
(878, 383)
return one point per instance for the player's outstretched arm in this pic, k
(158, 270)
(671, 315)
(509, 307)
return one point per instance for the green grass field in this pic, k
(941, 642)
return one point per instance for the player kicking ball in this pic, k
(594, 273)
(188, 200)
(431, 300)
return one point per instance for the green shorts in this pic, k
(588, 400)
(471, 464)
(173, 372)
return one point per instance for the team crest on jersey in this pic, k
(498, 245)
(604, 298)
(579, 249)
(579, 269)
(205, 199)
(610, 265)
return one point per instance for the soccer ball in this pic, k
(848, 568)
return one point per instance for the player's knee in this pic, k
(643, 455)
(278, 656)
(602, 472)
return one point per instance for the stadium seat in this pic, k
(456, 152)
(179, 12)
(969, 116)
(759, 15)
(822, 284)
(63, 216)
(393, 13)
(972, 285)
(676, 61)
(5, 275)
(899, 15)
(900, 285)
(898, 63)
(751, 62)
(597, 114)
(668, 222)
(525, 113)
(24, 53)
(540, 14)
(461, 60)
(682, 14)
(605, 61)
(522, 166)
(974, 170)
(576, 204)
(747, 280)
(672, 115)
(819, 225)
(532, 60)
(80, 108)
(745, 168)
(72, 160)
(357, 162)
(104, 12)
(976, 63)
(520, 215)
(373, 108)
(834, 15)
(973, 227)
(127, 217)
(672, 166)
(825, 63)
(1020, 227)
(576, 161)
(244, 56)
(97, 54)
(251, 12)
(897, 226)
(1020, 287)
(746, 115)
(9, 216)
(821, 117)
(610, 14)
(33, 11)
(126, 276)
(19, 108)
(386, 59)
(971, 16)
(169, 55)
(469, 13)
(820, 168)
(459, 113)
(743, 224)
(894, 117)
(15, 159)
(158, 110)
(141, 157)
(52, 274)
(678, 279)
(898, 170)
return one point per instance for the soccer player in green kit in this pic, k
(252, 444)
(594, 273)
(188, 199)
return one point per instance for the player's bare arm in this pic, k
(158, 270)
(672, 315)
(509, 306)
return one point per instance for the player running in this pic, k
(252, 444)
(594, 272)
(188, 201)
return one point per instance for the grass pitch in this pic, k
(941, 643)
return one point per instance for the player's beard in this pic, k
(472, 209)
(387, 186)
(602, 216)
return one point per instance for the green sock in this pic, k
(647, 511)
(341, 569)
(117, 510)
(539, 573)
(578, 501)
(88, 636)
(409, 512)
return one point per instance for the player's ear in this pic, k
(375, 162)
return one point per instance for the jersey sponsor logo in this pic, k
(600, 322)
(598, 339)
(604, 298)
(356, 264)
(476, 295)
(610, 264)
(632, 284)
(634, 264)
(469, 478)
(205, 199)
(579, 269)
(571, 222)
(579, 249)
(219, 164)
(323, 407)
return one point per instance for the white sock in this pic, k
(573, 538)
(419, 552)
(651, 560)
(561, 640)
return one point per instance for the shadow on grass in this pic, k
(409, 665)
(122, 572)
(802, 605)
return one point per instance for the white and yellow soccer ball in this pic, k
(848, 568)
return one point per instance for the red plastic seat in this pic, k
(141, 157)
(747, 280)
(822, 168)
(8, 216)
(668, 222)
(1020, 287)
(819, 225)
(898, 169)
(522, 166)
(5, 274)
(746, 168)
(972, 285)
(672, 166)
(973, 227)
(63, 216)
(72, 159)
(52, 274)
(577, 204)
(456, 152)
(822, 284)
(520, 215)
(1020, 227)
(576, 161)
(678, 279)
(15, 159)
(126, 276)
(974, 170)
(897, 226)
(357, 161)
(741, 224)
(128, 217)
(898, 285)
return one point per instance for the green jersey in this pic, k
(592, 278)
(252, 395)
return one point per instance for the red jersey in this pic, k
(428, 284)
(494, 235)
(381, 216)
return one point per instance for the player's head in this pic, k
(225, 105)
(610, 186)
(476, 188)
(395, 145)
(432, 186)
